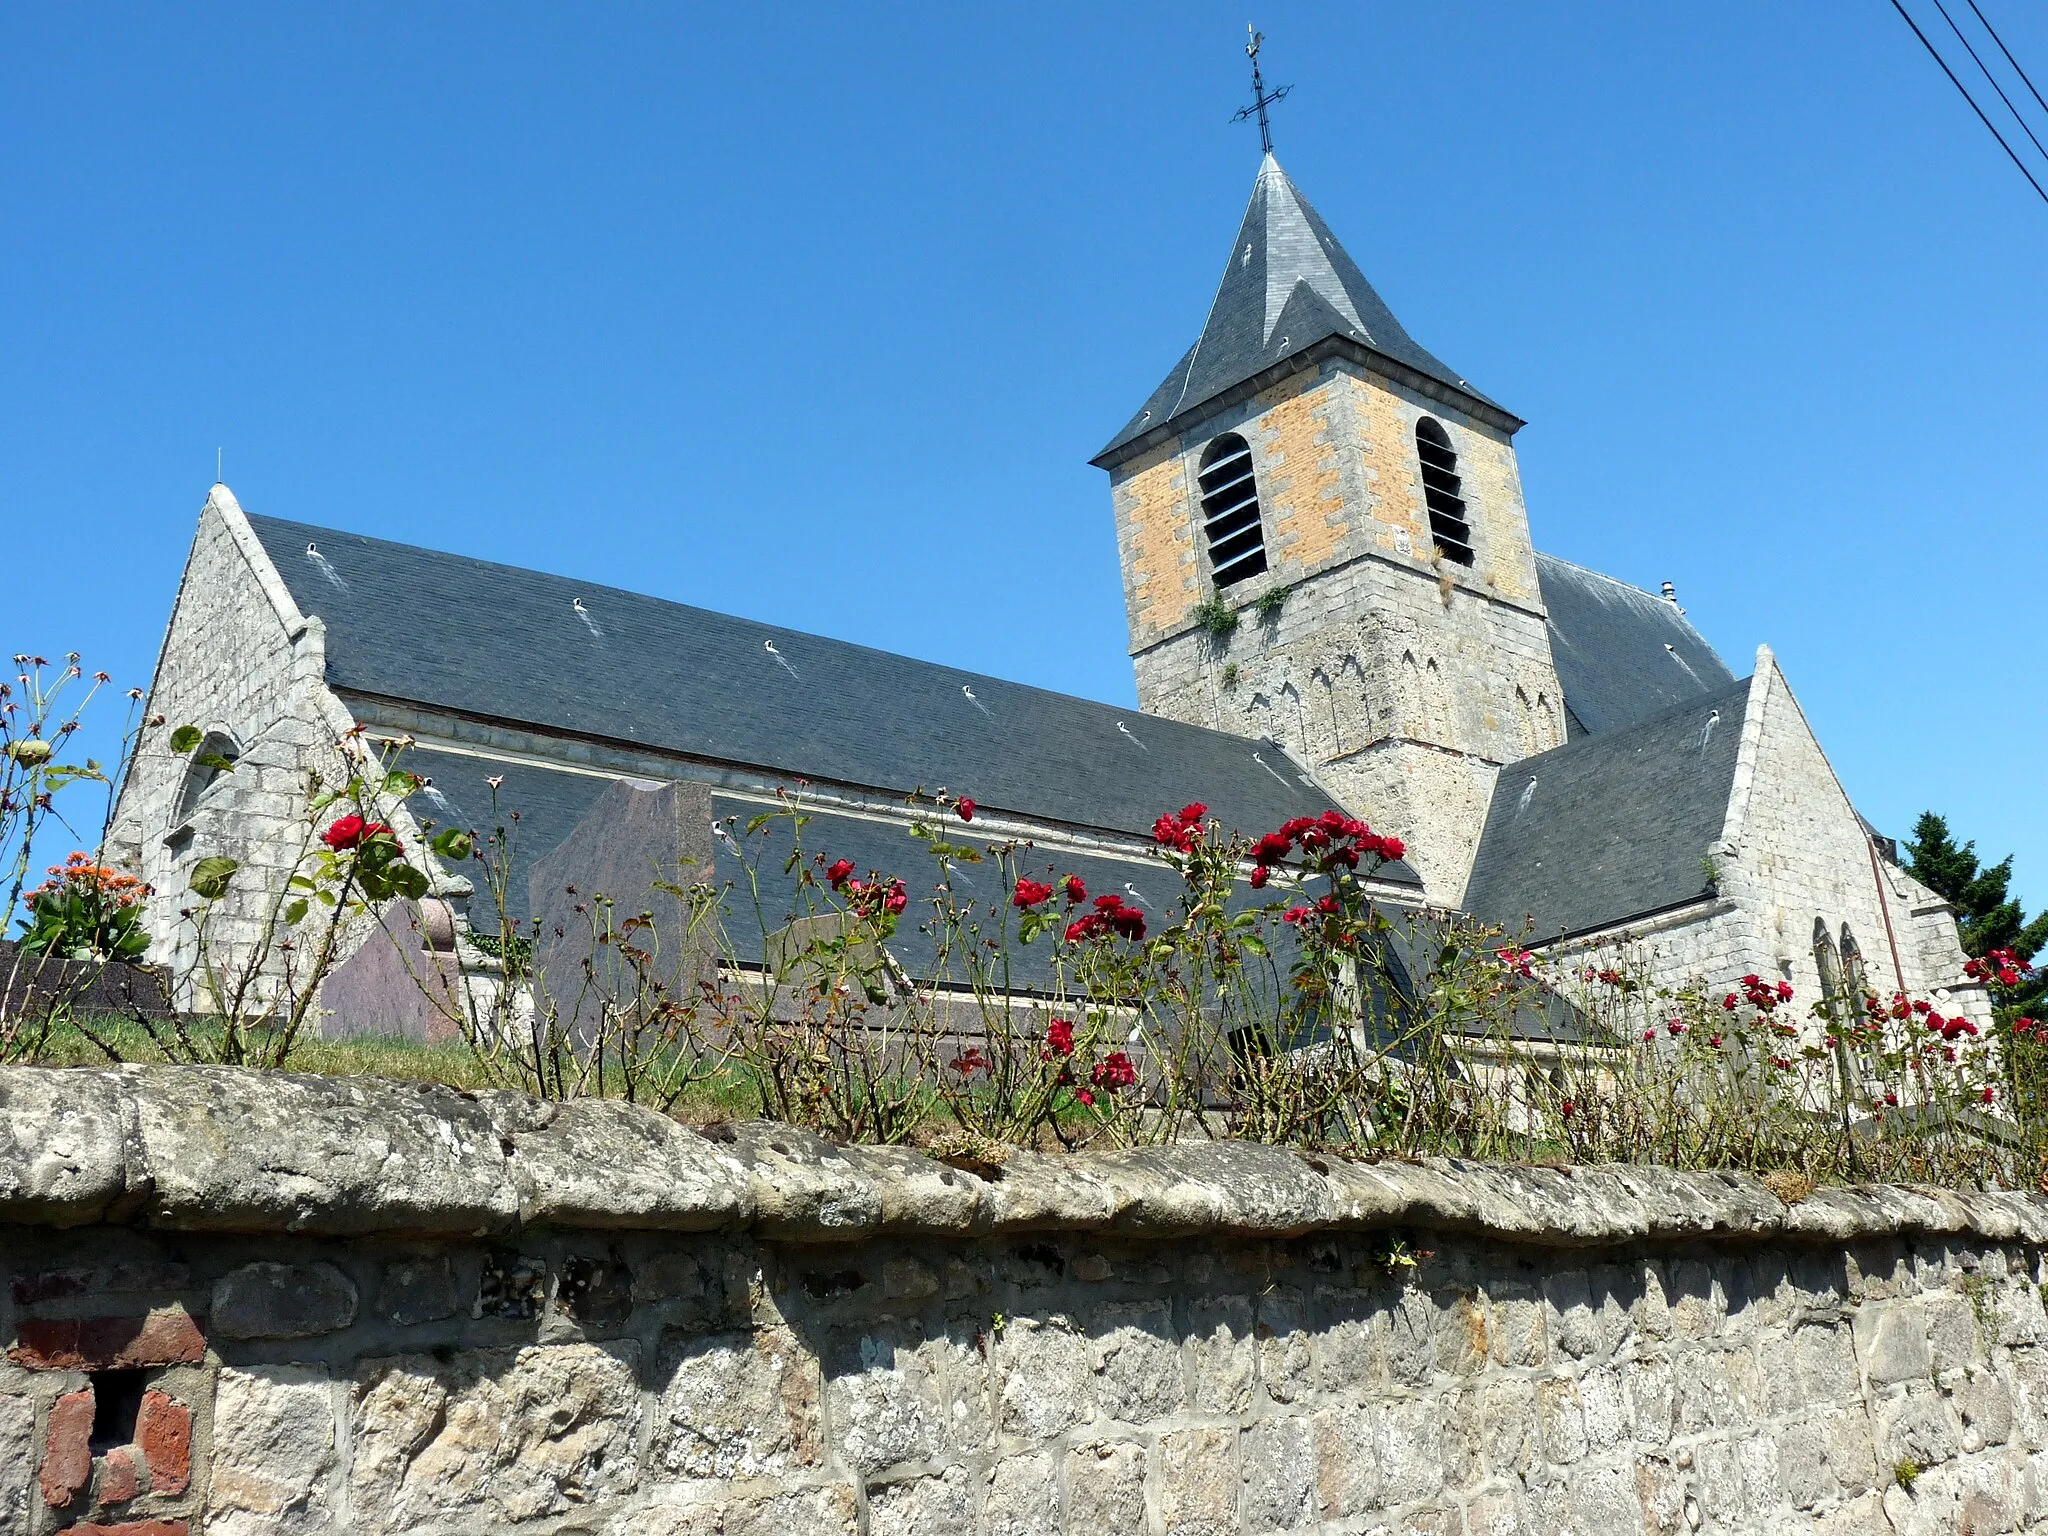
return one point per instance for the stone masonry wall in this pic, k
(251, 1304)
(238, 659)
(1792, 851)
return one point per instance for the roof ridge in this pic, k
(1655, 597)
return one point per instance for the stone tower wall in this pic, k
(1403, 681)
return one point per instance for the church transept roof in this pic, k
(1611, 827)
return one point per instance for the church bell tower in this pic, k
(1324, 543)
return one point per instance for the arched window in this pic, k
(216, 754)
(1440, 488)
(1856, 993)
(1854, 979)
(1829, 964)
(1230, 510)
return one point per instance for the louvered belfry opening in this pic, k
(1440, 488)
(1230, 511)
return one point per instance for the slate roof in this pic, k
(1287, 285)
(1622, 654)
(560, 656)
(1610, 827)
(552, 800)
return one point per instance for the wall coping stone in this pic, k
(224, 1149)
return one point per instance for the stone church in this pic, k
(1334, 599)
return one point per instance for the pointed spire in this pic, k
(1287, 286)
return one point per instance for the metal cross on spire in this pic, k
(1260, 98)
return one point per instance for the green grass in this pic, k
(366, 1056)
(726, 1095)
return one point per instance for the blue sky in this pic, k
(817, 316)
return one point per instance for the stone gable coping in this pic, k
(221, 1149)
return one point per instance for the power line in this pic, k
(1935, 53)
(2015, 63)
(1972, 52)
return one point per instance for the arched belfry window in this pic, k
(1440, 489)
(1230, 510)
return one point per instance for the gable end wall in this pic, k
(238, 657)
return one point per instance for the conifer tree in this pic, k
(1987, 914)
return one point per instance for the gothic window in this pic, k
(215, 755)
(1854, 978)
(1440, 489)
(1855, 990)
(1828, 963)
(1230, 510)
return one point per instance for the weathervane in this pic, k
(1260, 100)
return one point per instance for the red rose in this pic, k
(1085, 1097)
(1077, 890)
(965, 809)
(1259, 877)
(352, 832)
(1273, 848)
(1114, 1071)
(1059, 1037)
(1191, 815)
(1030, 893)
(839, 874)
(896, 898)
(1391, 848)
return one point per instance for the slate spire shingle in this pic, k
(1287, 285)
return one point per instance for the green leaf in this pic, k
(210, 877)
(452, 844)
(407, 881)
(185, 738)
(756, 823)
(295, 914)
(215, 761)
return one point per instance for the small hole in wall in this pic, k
(116, 1404)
